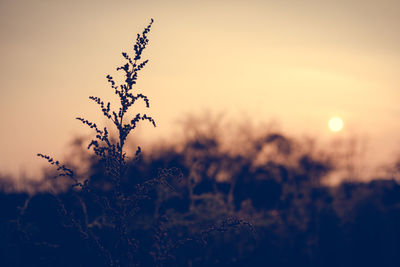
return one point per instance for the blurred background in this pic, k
(291, 64)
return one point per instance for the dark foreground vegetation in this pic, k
(211, 199)
(264, 206)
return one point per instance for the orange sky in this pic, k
(298, 62)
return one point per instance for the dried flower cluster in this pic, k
(118, 208)
(112, 153)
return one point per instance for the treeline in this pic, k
(209, 201)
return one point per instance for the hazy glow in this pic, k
(293, 61)
(335, 124)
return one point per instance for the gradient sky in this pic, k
(298, 62)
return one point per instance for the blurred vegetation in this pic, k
(231, 198)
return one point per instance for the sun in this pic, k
(335, 124)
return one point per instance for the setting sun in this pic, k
(335, 124)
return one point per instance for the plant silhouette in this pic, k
(112, 153)
(118, 208)
(108, 218)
